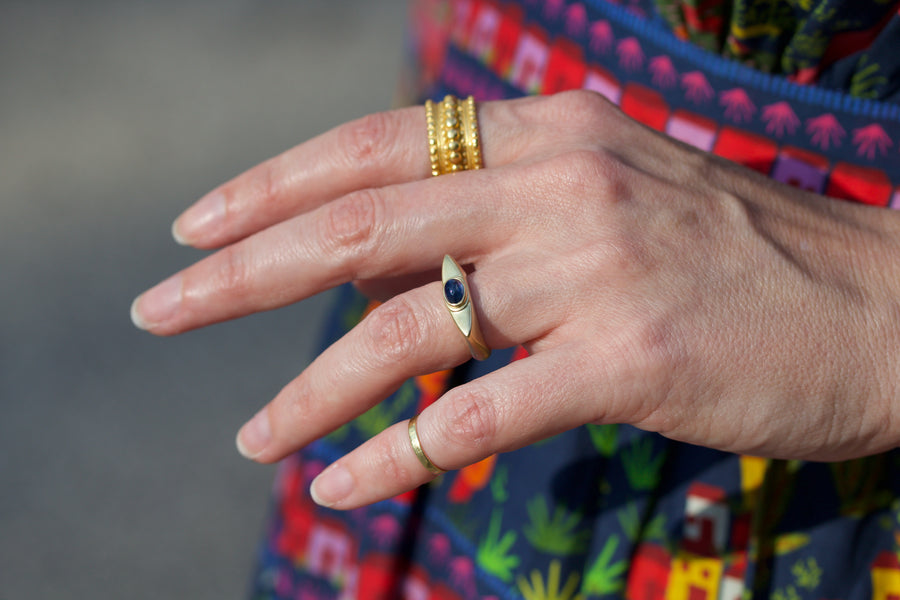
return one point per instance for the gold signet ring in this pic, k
(458, 301)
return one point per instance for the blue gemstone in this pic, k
(454, 291)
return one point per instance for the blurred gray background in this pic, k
(118, 474)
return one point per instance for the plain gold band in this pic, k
(417, 448)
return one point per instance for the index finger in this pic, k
(349, 157)
(375, 151)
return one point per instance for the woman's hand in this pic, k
(653, 285)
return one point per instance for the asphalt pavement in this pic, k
(118, 474)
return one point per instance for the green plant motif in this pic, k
(641, 466)
(804, 51)
(801, 4)
(538, 590)
(556, 534)
(461, 515)
(866, 80)
(339, 434)
(353, 313)
(605, 577)
(824, 12)
(630, 520)
(604, 438)
(788, 593)
(857, 484)
(498, 485)
(891, 520)
(493, 551)
(788, 542)
(382, 415)
(808, 574)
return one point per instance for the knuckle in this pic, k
(594, 166)
(472, 420)
(389, 459)
(582, 101)
(393, 330)
(269, 181)
(363, 140)
(586, 111)
(349, 222)
(295, 404)
(660, 355)
(596, 174)
(234, 274)
(660, 346)
(264, 183)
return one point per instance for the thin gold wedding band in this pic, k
(417, 448)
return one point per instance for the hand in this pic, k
(652, 284)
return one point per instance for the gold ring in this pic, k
(457, 299)
(417, 448)
(454, 143)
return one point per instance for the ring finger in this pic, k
(410, 335)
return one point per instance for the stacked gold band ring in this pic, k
(417, 448)
(454, 143)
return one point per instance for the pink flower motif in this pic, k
(385, 529)
(696, 87)
(439, 548)
(312, 469)
(871, 140)
(286, 476)
(635, 8)
(825, 131)
(663, 71)
(576, 20)
(283, 584)
(631, 56)
(601, 37)
(780, 118)
(359, 516)
(738, 105)
(462, 575)
(552, 8)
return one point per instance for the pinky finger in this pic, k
(502, 411)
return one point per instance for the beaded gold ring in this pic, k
(453, 137)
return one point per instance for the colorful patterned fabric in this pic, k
(613, 511)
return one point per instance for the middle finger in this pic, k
(374, 233)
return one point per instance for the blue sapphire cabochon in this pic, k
(454, 291)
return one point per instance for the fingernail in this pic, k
(158, 304)
(331, 486)
(201, 219)
(255, 435)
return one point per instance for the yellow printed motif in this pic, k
(886, 577)
(694, 578)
